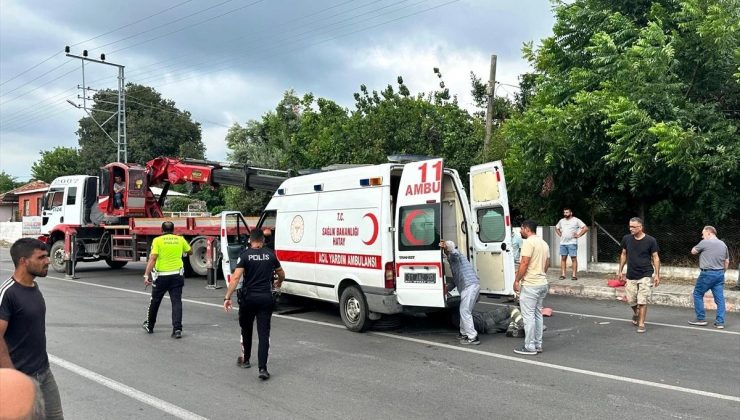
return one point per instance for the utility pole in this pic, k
(489, 111)
(122, 144)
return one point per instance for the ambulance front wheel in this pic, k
(353, 309)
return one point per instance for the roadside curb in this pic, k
(678, 299)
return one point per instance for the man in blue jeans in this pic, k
(531, 284)
(714, 259)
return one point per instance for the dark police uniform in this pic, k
(255, 299)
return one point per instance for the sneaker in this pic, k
(467, 341)
(146, 328)
(719, 326)
(699, 322)
(241, 364)
(264, 374)
(177, 334)
(461, 336)
(523, 350)
(539, 350)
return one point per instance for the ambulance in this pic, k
(367, 237)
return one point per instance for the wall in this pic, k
(10, 231)
(6, 212)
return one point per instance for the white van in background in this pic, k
(368, 237)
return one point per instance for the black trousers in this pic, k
(259, 307)
(164, 284)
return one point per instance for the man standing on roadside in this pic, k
(531, 284)
(258, 265)
(164, 272)
(569, 229)
(23, 321)
(640, 253)
(714, 259)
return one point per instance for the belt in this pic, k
(712, 269)
(167, 273)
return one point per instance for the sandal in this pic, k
(562, 277)
(635, 318)
(641, 329)
(574, 278)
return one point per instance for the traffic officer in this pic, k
(257, 264)
(164, 272)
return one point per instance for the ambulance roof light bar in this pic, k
(367, 182)
(406, 158)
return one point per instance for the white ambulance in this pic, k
(368, 237)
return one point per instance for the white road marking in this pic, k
(686, 327)
(474, 351)
(155, 402)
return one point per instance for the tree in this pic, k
(633, 110)
(155, 127)
(7, 182)
(57, 162)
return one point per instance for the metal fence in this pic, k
(675, 242)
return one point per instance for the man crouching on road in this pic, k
(257, 264)
(531, 284)
(468, 284)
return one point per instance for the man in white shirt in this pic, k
(569, 228)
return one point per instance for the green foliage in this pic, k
(178, 204)
(7, 182)
(633, 106)
(155, 127)
(309, 132)
(57, 162)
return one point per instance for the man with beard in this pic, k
(23, 321)
(569, 229)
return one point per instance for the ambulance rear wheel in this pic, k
(353, 309)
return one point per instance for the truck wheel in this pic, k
(56, 257)
(353, 309)
(198, 259)
(115, 264)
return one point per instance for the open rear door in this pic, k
(234, 239)
(419, 280)
(489, 204)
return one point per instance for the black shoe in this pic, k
(468, 341)
(264, 374)
(523, 350)
(146, 328)
(241, 364)
(177, 334)
(461, 336)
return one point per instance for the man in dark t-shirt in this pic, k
(257, 264)
(23, 321)
(640, 252)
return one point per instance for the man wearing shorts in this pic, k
(640, 252)
(569, 229)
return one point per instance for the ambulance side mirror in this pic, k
(503, 246)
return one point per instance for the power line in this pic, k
(297, 37)
(30, 68)
(37, 78)
(38, 87)
(165, 24)
(132, 23)
(188, 26)
(93, 38)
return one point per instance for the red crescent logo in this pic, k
(374, 237)
(407, 228)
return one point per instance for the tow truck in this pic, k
(82, 223)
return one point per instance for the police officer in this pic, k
(257, 264)
(164, 272)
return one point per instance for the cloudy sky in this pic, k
(229, 61)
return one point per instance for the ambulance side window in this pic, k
(419, 227)
(492, 224)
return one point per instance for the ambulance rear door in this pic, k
(419, 279)
(489, 204)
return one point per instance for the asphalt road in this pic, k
(594, 364)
